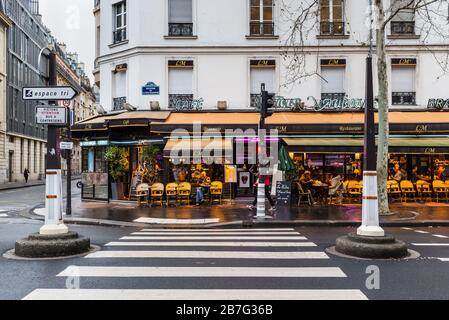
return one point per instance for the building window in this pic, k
(180, 84)
(332, 17)
(333, 79)
(119, 85)
(180, 18)
(119, 34)
(261, 20)
(261, 72)
(403, 75)
(403, 23)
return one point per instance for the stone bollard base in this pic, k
(386, 247)
(52, 246)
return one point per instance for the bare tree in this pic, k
(304, 18)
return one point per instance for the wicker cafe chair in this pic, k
(355, 189)
(394, 190)
(424, 191)
(141, 192)
(171, 192)
(408, 190)
(184, 192)
(216, 191)
(157, 194)
(440, 189)
(302, 193)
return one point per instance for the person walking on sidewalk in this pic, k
(26, 174)
(267, 183)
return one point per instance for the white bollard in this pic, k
(370, 207)
(53, 204)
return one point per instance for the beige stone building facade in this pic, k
(4, 24)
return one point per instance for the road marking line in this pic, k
(201, 272)
(409, 229)
(444, 259)
(190, 295)
(420, 231)
(194, 233)
(216, 230)
(3, 215)
(209, 254)
(440, 236)
(176, 221)
(214, 238)
(211, 244)
(431, 244)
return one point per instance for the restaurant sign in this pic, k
(438, 104)
(323, 105)
(187, 104)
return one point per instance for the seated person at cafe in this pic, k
(398, 174)
(336, 187)
(202, 179)
(307, 182)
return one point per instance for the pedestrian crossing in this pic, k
(431, 245)
(206, 264)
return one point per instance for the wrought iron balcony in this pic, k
(119, 103)
(180, 29)
(402, 27)
(333, 96)
(256, 101)
(332, 28)
(180, 101)
(119, 36)
(261, 29)
(404, 98)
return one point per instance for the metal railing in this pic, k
(404, 98)
(180, 101)
(332, 28)
(119, 103)
(255, 101)
(402, 27)
(333, 96)
(261, 28)
(180, 29)
(119, 35)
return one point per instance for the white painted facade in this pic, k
(222, 50)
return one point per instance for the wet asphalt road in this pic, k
(423, 278)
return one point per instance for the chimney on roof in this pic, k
(63, 47)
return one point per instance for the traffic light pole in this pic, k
(53, 179)
(261, 183)
(68, 211)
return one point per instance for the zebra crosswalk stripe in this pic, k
(209, 244)
(248, 231)
(212, 238)
(194, 233)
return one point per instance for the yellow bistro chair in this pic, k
(157, 194)
(424, 191)
(216, 191)
(184, 192)
(394, 190)
(171, 192)
(355, 189)
(440, 189)
(408, 190)
(142, 192)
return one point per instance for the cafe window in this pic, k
(119, 33)
(261, 72)
(403, 22)
(333, 79)
(119, 89)
(180, 22)
(261, 19)
(180, 83)
(403, 77)
(332, 17)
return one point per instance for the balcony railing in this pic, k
(402, 27)
(180, 29)
(261, 29)
(180, 101)
(333, 96)
(404, 98)
(332, 28)
(119, 103)
(119, 36)
(256, 101)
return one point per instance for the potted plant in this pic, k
(118, 161)
(151, 155)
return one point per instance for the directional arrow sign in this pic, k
(49, 93)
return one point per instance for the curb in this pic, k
(22, 187)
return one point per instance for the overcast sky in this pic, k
(72, 22)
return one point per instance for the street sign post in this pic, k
(49, 93)
(51, 115)
(65, 145)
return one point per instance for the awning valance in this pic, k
(179, 147)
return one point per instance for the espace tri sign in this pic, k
(49, 93)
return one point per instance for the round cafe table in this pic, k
(322, 190)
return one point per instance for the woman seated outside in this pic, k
(336, 187)
(202, 179)
(307, 182)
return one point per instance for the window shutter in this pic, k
(180, 81)
(262, 75)
(180, 11)
(120, 84)
(333, 80)
(403, 79)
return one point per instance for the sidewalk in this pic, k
(35, 183)
(128, 213)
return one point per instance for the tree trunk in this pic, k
(383, 104)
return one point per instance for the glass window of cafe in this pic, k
(416, 167)
(94, 174)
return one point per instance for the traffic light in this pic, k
(267, 104)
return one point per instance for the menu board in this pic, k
(230, 174)
(283, 193)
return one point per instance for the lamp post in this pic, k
(370, 240)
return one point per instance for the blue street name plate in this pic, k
(150, 89)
